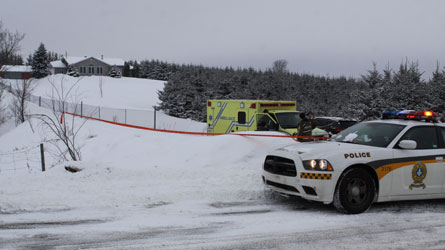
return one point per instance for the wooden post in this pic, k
(99, 112)
(125, 116)
(40, 101)
(154, 117)
(81, 108)
(42, 156)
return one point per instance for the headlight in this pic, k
(317, 165)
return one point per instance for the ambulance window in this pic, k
(442, 132)
(425, 137)
(241, 117)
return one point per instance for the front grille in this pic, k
(282, 186)
(279, 165)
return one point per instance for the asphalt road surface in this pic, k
(395, 225)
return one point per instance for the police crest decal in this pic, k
(418, 173)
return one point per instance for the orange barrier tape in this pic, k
(186, 132)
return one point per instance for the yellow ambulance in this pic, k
(228, 116)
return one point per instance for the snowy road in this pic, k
(246, 225)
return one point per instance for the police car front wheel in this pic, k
(355, 191)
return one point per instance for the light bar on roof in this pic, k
(411, 115)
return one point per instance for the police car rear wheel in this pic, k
(355, 191)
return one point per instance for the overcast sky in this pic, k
(325, 37)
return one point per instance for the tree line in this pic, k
(189, 86)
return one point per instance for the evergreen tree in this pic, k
(29, 60)
(407, 90)
(437, 90)
(40, 62)
(144, 69)
(373, 78)
(53, 56)
(438, 75)
(135, 72)
(126, 72)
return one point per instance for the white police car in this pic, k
(375, 161)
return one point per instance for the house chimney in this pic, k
(101, 57)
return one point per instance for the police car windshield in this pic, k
(288, 119)
(370, 133)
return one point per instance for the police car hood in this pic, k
(323, 149)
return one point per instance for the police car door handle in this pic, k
(439, 158)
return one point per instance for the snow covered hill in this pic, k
(125, 172)
(125, 92)
(124, 100)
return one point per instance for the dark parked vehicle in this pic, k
(334, 125)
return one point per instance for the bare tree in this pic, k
(279, 66)
(101, 87)
(62, 124)
(2, 106)
(21, 90)
(9, 45)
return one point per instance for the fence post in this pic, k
(99, 112)
(81, 108)
(154, 107)
(40, 101)
(125, 116)
(42, 156)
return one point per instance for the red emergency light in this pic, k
(422, 115)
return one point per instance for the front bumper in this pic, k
(279, 176)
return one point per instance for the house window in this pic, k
(83, 70)
(91, 69)
(99, 70)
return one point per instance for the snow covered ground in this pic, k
(149, 190)
(105, 91)
(125, 100)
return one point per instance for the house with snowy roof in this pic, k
(87, 65)
(15, 72)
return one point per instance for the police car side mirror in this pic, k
(408, 144)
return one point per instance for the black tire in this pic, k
(355, 191)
